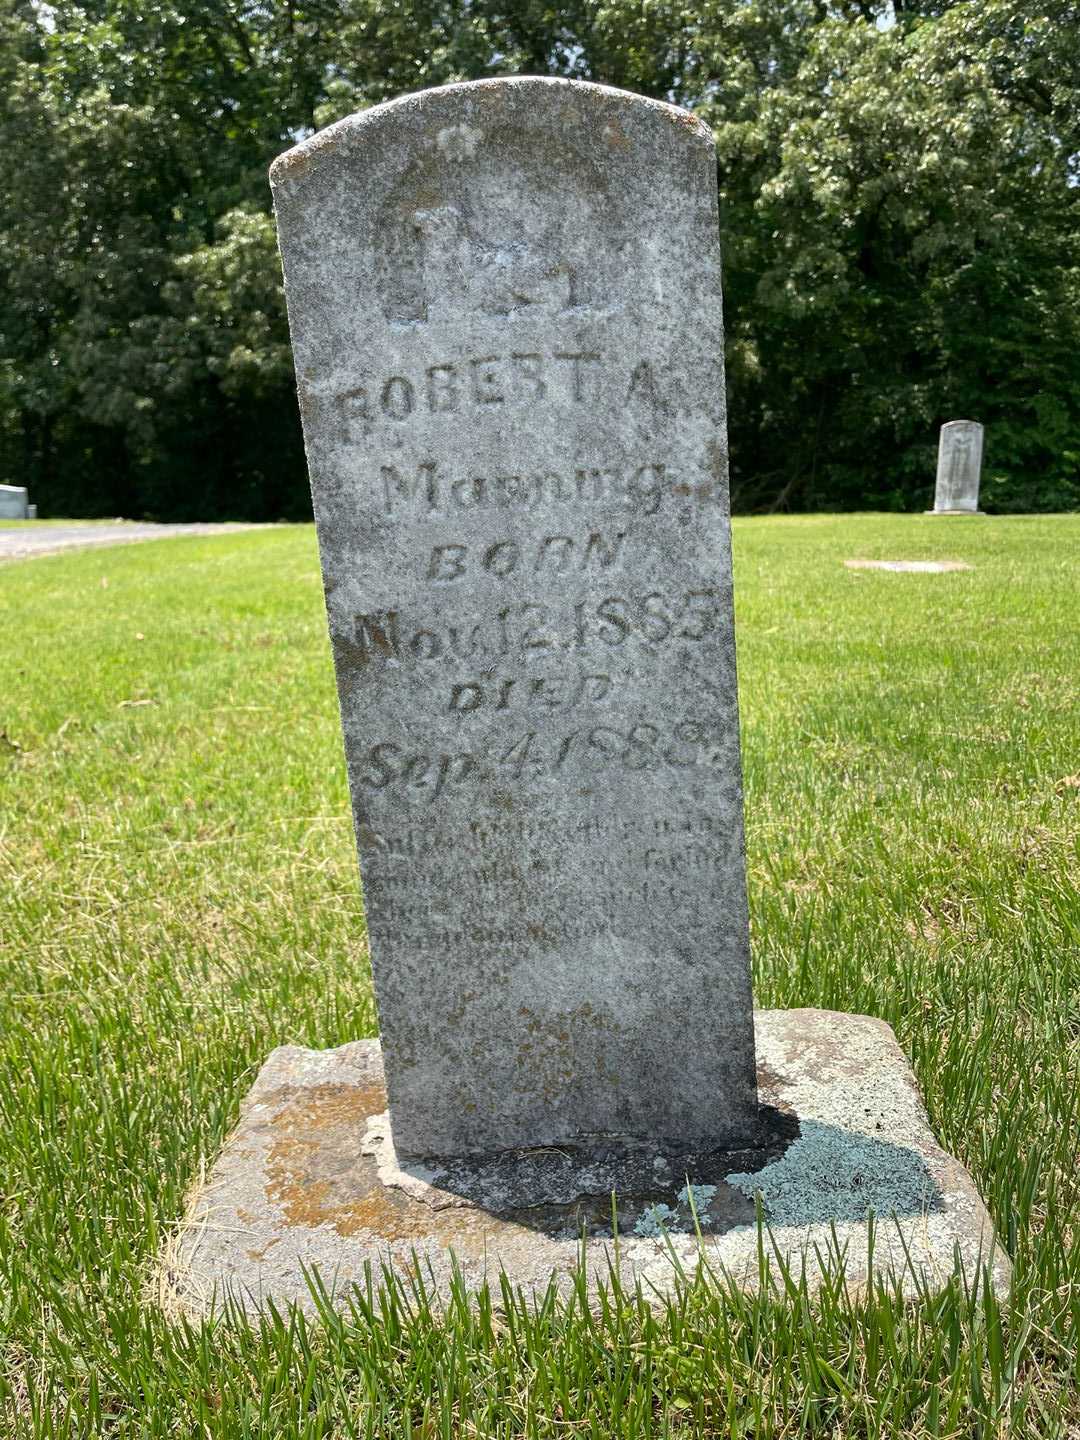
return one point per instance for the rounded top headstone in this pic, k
(504, 302)
(485, 105)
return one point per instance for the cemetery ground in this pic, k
(179, 896)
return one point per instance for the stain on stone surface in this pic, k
(615, 137)
(261, 1254)
(317, 1175)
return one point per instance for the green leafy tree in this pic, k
(904, 231)
(898, 213)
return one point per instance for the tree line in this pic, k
(899, 204)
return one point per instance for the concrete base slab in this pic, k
(954, 512)
(309, 1181)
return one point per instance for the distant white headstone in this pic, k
(15, 503)
(959, 467)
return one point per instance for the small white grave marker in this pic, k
(960, 449)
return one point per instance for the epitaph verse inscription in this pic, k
(504, 300)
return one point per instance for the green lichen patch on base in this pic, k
(831, 1174)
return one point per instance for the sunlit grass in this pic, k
(178, 895)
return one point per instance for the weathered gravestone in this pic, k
(504, 300)
(516, 439)
(15, 503)
(960, 448)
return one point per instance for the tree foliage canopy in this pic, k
(899, 193)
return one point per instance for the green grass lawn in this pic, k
(178, 895)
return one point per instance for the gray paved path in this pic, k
(21, 542)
